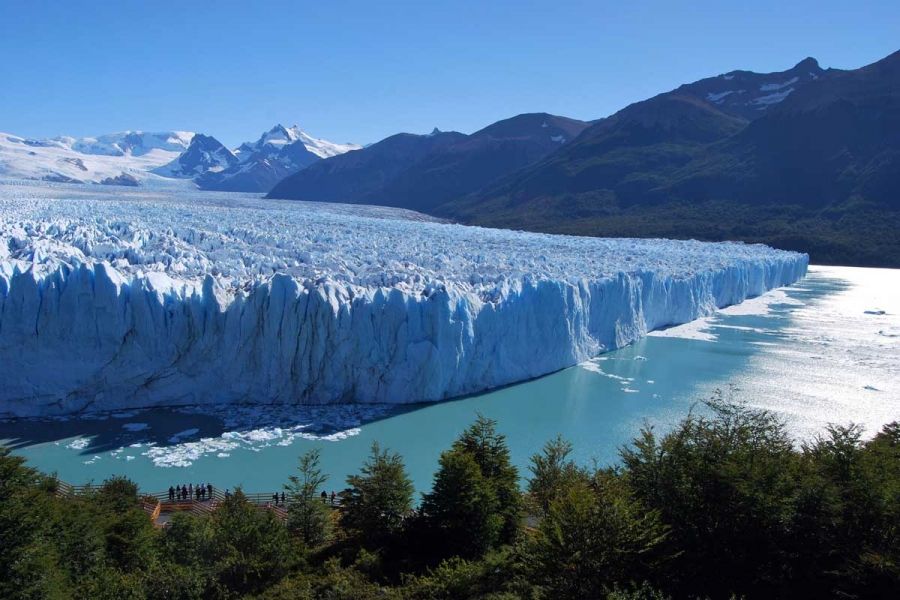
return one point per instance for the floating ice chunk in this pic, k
(79, 443)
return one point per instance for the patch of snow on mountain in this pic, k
(717, 98)
(324, 148)
(771, 87)
(770, 99)
(130, 299)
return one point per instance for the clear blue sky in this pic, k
(361, 70)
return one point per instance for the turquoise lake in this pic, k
(826, 350)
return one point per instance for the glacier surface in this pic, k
(115, 299)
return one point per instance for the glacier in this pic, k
(115, 299)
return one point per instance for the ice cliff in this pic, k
(128, 299)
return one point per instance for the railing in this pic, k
(152, 507)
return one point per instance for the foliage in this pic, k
(460, 515)
(724, 505)
(378, 499)
(475, 504)
(308, 517)
(552, 472)
(596, 534)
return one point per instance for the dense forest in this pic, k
(725, 505)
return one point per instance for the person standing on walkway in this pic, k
(209, 489)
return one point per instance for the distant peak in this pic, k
(435, 131)
(808, 63)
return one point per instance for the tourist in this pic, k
(332, 497)
(275, 498)
(171, 494)
(209, 490)
(282, 499)
(324, 497)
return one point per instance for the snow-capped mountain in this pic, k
(136, 157)
(278, 153)
(104, 159)
(206, 154)
(280, 136)
(136, 143)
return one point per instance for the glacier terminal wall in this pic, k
(104, 304)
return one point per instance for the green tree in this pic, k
(29, 564)
(595, 537)
(727, 485)
(308, 516)
(856, 521)
(378, 499)
(251, 550)
(460, 513)
(552, 472)
(491, 453)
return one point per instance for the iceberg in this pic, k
(117, 300)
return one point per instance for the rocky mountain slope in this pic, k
(422, 172)
(817, 170)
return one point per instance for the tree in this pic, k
(727, 485)
(552, 472)
(595, 538)
(29, 566)
(250, 548)
(490, 452)
(378, 499)
(460, 512)
(308, 516)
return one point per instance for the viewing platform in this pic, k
(160, 507)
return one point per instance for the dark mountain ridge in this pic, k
(818, 171)
(356, 177)
(422, 172)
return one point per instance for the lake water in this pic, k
(826, 350)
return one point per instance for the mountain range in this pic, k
(422, 172)
(804, 159)
(172, 157)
